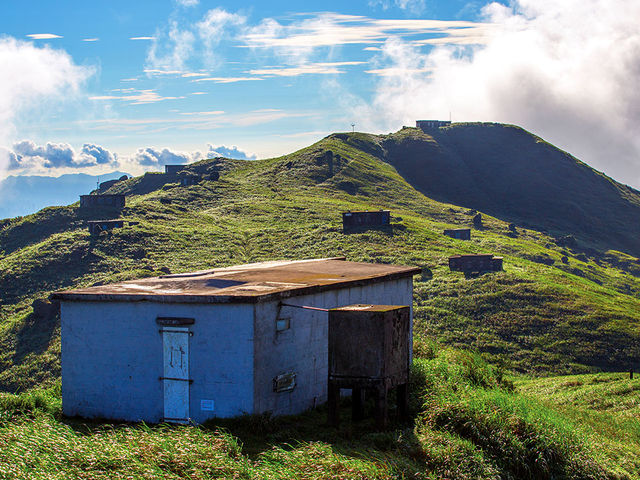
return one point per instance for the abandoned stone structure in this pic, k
(459, 233)
(431, 124)
(475, 263)
(110, 201)
(98, 226)
(361, 220)
(173, 169)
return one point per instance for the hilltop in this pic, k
(509, 173)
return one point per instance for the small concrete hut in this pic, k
(215, 343)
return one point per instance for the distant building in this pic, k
(431, 124)
(459, 233)
(110, 201)
(173, 169)
(217, 343)
(475, 263)
(360, 220)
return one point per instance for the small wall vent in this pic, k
(284, 383)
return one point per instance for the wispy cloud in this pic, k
(396, 71)
(226, 79)
(141, 38)
(187, 3)
(213, 112)
(332, 29)
(43, 36)
(323, 68)
(174, 45)
(95, 39)
(413, 6)
(199, 93)
(135, 97)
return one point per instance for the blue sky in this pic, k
(94, 86)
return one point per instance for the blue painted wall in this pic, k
(112, 359)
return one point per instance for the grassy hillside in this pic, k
(553, 309)
(468, 422)
(507, 172)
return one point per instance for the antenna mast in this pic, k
(353, 127)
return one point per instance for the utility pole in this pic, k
(353, 127)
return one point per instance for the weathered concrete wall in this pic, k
(303, 348)
(112, 359)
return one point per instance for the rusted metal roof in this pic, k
(249, 283)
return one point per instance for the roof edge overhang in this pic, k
(69, 296)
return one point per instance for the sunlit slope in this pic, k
(516, 176)
(552, 309)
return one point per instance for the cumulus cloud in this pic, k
(568, 71)
(228, 152)
(29, 76)
(28, 155)
(151, 156)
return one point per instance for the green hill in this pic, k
(559, 307)
(553, 309)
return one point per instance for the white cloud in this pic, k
(135, 97)
(187, 3)
(323, 68)
(30, 157)
(569, 71)
(142, 38)
(413, 6)
(227, 79)
(155, 157)
(213, 112)
(95, 39)
(332, 29)
(173, 47)
(228, 152)
(43, 36)
(213, 28)
(30, 79)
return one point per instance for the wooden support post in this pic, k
(357, 411)
(333, 401)
(403, 401)
(631, 374)
(381, 406)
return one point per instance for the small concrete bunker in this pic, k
(102, 200)
(362, 220)
(459, 233)
(475, 263)
(215, 343)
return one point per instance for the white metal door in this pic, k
(175, 342)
